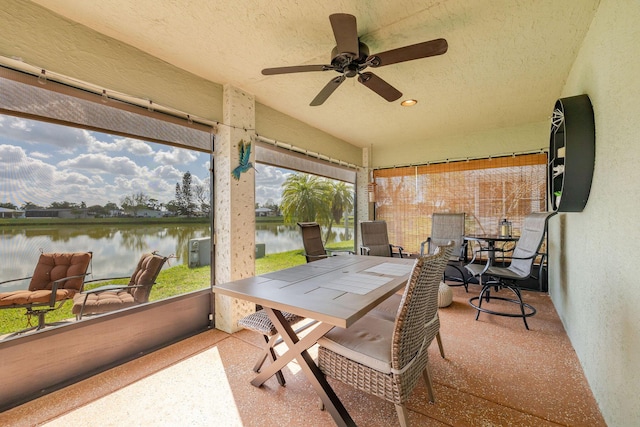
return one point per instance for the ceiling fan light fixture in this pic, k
(409, 102)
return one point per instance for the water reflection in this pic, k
(117, 248)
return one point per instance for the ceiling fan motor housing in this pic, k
(347, 63)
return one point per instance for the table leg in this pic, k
(297, 349)
(492, 254)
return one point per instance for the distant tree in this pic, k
(154, 204)
(98, 210)
(172, 207)
(111, 208)
(135, 202)
(29, 206)
(8, 205)
(63, 205)
(184, 196)
(270, 204)
(202, 193)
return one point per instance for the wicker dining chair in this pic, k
(387, 358)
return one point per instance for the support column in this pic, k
(364, 207)
(234, 210)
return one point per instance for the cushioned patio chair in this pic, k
(312, 240)
(520, 268)
(58, 277)
(446, 227)
(387, 358)
(115, 297)
(375, 240)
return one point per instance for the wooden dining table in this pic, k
(336, 291)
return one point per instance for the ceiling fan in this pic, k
(350, 57)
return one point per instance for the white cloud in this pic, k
(39, 155)
(269, 180)
(102, 162)
(133, 146)
(175, 156)
(66, 139)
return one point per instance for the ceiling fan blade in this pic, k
(327, 90)
(379, 86)
(346, 33)
(296, 69)
(409, 53)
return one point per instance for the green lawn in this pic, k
(171, 281)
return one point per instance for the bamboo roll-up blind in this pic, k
(487, 190)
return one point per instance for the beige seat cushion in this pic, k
(368, 342)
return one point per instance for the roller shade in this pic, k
(280, 157)
(21, 94)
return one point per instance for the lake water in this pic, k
(116, 249)
(282, 238)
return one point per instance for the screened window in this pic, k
(487, 190)
(80, 172)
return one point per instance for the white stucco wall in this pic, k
(593, 275)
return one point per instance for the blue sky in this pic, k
(42, 163)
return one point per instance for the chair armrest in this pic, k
(400, 249)
(364, 250)
(331, 251)
(54, 287)
(106, 288)
(315, 256)
(107, 279)
(15, 280)
(422, 245)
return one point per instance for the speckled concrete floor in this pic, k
(495, 373)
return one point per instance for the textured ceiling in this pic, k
(506, 64)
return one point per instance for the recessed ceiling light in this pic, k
(409, 102)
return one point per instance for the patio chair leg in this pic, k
(516, 291)
(439, 339)
(403, 415)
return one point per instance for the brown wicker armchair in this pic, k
(387, 358)
(56, 279)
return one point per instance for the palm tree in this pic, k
(311, 198)
(305, 198)
(341, 200)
